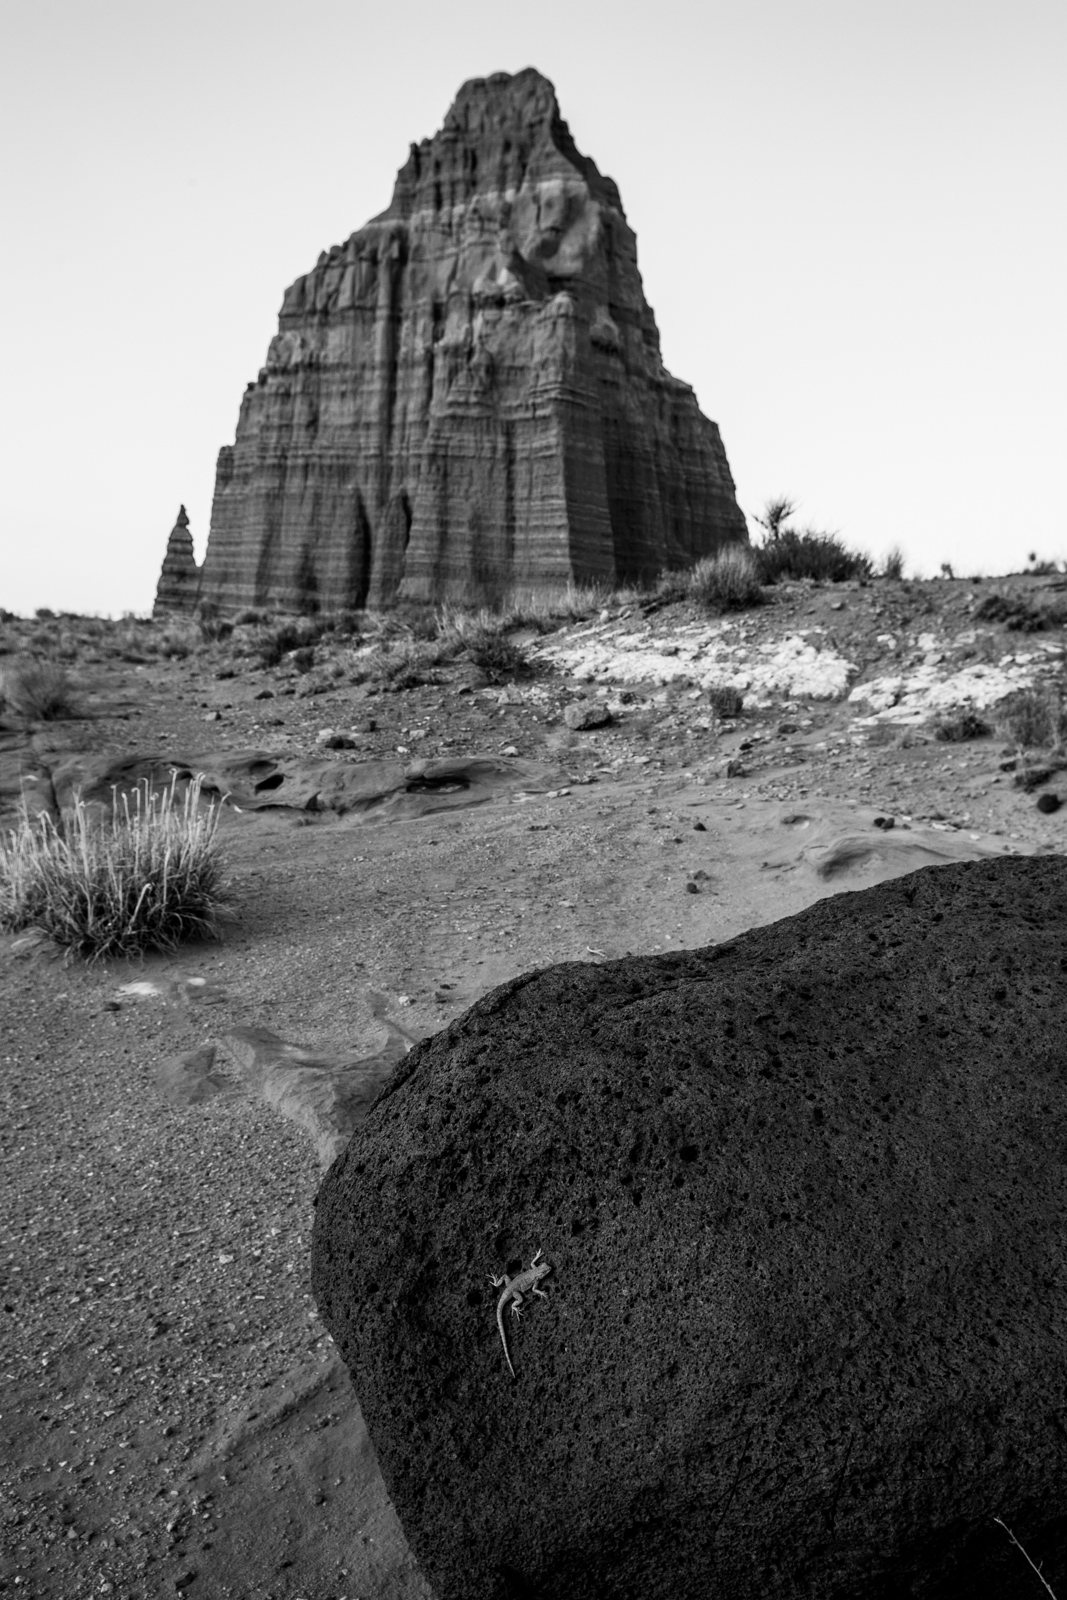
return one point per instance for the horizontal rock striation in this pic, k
(179, 581)
(468, 395)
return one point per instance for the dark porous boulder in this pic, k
(804, 1198)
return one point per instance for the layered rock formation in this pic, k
(469, 393)
(803, 1197)
(179, 582)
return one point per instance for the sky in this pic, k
(849, 213)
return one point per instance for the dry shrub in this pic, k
(1020, 615)
(1034, 719)
(147, 877)
(496, 655)
(726, 581)
(39, 690)
(296, 633)
(726, 701)
(959, 726)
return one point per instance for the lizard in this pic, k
(513, 1290)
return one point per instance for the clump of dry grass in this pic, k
(40, 690)
(1035, 719)
(147, 877)
(726, 581)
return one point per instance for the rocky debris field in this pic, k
(174, 1420)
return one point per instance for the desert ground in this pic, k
(174, 1418)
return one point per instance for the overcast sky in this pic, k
(850, 216)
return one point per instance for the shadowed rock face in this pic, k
(179, 582)
(469, 393)
(803, 1196)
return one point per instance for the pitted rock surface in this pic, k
(469, 392)
(804, 1196)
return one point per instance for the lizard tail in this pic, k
(504, 1340)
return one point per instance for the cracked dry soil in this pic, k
(174, 1419)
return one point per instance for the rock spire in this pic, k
(468, 395)
(179, 582)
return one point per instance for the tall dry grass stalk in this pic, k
(147, 877)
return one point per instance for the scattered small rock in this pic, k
(1048, 803)
(699, 827)
(692, 888)
(328, 739)
(213, 716)
(263, 694)
(581, 715)
(885, 822)
(735, 769)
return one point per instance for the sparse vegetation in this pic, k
(275, 641)
(1035, 719)
(496, 655)
(146, 877)
(726, 701)
(39, 690)
(1020, 615)
(959, 726)
(1032, 1564)
(726, 581)
(893, 564)
(803, 553)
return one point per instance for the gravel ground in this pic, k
(172, 1419)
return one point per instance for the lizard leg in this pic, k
(541, 1293)
(496, 1282)
(536, 1259)
(517, 1302)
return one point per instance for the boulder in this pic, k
(804, 1200)
(582, 715)
(469, 393)
(179, 582)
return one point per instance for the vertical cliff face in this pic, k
(178, 588)
(469, 393)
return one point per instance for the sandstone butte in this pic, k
(469, 394)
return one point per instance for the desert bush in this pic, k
(40, 690)
(295, 633)
(1044, 568)
(1034, 719)
(803, 553)
(248, 617)
(893, 563)
(728, 580)
(807, 554)
(212, 625)
(405, 663)
(493, 653)
(178, 639)
(146, 877)
(1020, 615)
(726, 701)
(955, 728)
(347, 624)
